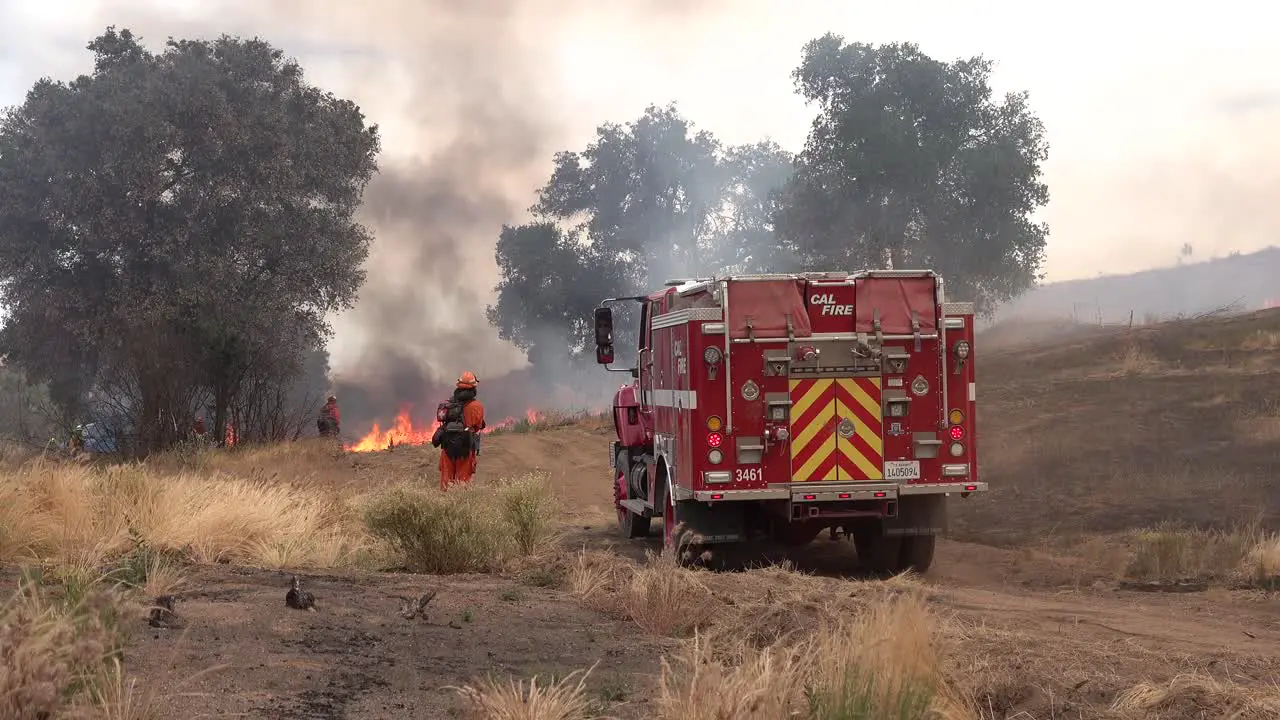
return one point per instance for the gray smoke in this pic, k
(468, 101)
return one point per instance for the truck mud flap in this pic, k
(723, 523)
(918, 515)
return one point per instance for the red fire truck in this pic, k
(773, 407)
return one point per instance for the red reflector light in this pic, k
(810, 497)
(882, 494)
(970, 487)
(717, 496)
(714, 439)
(845, 496)
(957, 432)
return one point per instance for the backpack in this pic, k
(454, 437)
(449, 412)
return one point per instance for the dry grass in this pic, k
(78, 517)
(1137, 361)
(772, 643)
(565, 699)
(548, 420)
(659, 596)
(82, 520)
(62, 642)
(54, 654)
(1169, 553)
(1261, 340)
(879, 662)
(1188, 696)
(473, 528)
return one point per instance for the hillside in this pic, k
(1030, 612)
(1162, 293)
(1117, 429)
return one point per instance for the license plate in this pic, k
(902, 470)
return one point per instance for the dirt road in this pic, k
(357, 657)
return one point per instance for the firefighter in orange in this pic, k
(330, 420)
(458, 436)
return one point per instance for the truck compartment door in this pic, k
(859, 429)
(813, 430)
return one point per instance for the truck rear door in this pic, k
(858, 415)
(836, 429)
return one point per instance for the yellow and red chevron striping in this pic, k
(861, 456)
(813, 438)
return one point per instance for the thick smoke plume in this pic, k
(468, 99)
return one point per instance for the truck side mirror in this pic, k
(604, 328)
(604, 354)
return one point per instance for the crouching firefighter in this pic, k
(330, 419)
(458, 437)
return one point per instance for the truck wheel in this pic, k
(917, 553)
(675, 537)
(631, 524)
(878, 553)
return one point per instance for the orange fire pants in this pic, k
(456, 472)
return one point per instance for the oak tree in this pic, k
(644, 202)
(912, 162)
(167, 218)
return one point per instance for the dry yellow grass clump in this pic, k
(1243, 555)
(468, 529)
(60, 654)
(774, 643)
(79, 519)
(76, 517)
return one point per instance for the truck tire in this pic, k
(632, 525)
(878, 553)
(917, 553)
(675, 537)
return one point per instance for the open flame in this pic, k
(404, 432)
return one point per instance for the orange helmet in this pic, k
(468, 379)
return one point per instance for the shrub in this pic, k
(438, 533)
(468, 529)
(528, 511)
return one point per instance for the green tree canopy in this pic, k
(173, 219)
(912, 163)
(644, 202)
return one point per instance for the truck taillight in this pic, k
(714, 423)
(957, 449)
(956, 417)
(715, 439)
(957, 432)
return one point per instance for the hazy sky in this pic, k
(1162, 121)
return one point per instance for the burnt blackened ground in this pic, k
(1180, 422)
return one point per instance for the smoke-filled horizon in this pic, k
(474, 98)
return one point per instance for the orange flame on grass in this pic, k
(403, 431)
